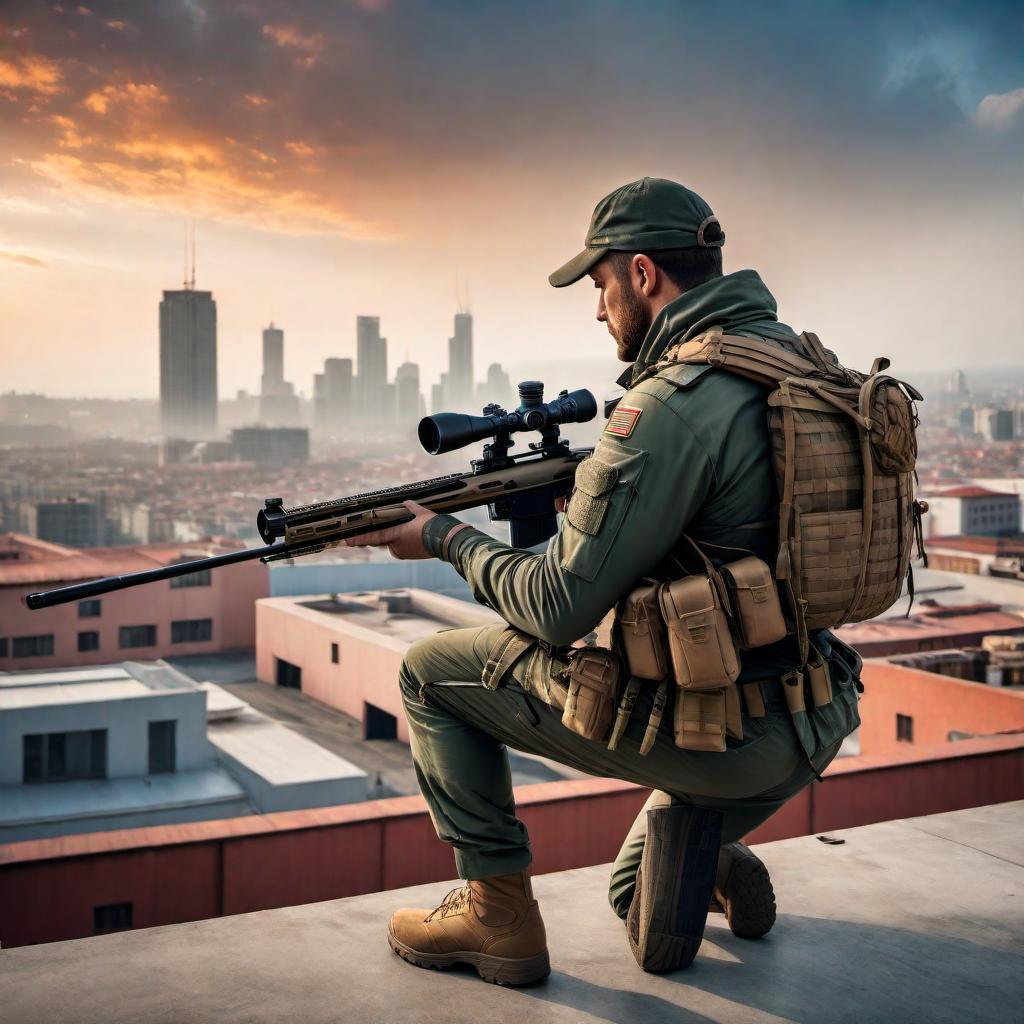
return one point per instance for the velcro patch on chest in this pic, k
(623, 420)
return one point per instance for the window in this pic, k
(193, 579)
(378, 724)
(114, 917)
(3, 647)
(136, 636)
(162, 747)
(287, 675)
(905, 728)
(89, 641)
(90, 609)
(60, 756)
(33, 646)
(334, 654)
(191, 631)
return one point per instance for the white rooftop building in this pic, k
(137, 744)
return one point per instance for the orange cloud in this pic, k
(200, 178)
(137, 93)
(70, 139)
(23, 259)
(300, 148)
(289, 36)
(38, 74)
(256, 101)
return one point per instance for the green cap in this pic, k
(651, 213)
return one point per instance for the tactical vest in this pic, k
(844, 448)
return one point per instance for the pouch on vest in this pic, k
(756, 608)
(594, 677)
(700, 641)
(641, 633)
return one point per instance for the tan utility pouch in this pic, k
(594, 678)
(820, 679)
(756, 608)
(700, 641)
(642, 633)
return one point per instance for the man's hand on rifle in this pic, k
(404, 540)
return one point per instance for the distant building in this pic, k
(976, 555)
(934, 628)
(136, 744)
(188, 364)
(73, 521)
(345, 651)
(279, 405)
(994, 424)
(972, 511)
(271, 445)
(496, 387)
(339, 392)
(371, 369)
(957, 383)
(408, 402)
(273, 360)
(460, 378)
(201, 613)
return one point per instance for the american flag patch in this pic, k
(623, 420)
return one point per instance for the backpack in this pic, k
(844, 447)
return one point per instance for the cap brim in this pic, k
(578, 266)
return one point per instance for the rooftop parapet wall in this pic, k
(49, 888)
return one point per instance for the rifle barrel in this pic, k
(78, 591)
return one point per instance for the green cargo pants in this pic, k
(459, 730)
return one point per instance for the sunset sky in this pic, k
(394, 157)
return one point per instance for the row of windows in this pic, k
(93, 607)
(82, 754)
(185, 631)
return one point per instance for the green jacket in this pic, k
(691, 456)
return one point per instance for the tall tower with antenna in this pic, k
(188, 357)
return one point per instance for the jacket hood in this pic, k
(739, 303)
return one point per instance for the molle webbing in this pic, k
(844, 448)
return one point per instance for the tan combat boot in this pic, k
(493, 924)
(743, 892)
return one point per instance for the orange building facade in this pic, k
(202, 614)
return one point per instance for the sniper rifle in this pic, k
(521, 489)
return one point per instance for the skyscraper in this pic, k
(188, 363)
(338, 392)
(408, 403)
(279, 405)
(273, 359)
(460, 364)
(371, 368)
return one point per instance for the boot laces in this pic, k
(454, 903)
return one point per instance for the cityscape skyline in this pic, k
(315, 200)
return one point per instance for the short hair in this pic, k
(685, 268)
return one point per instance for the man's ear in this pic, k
(645, 274)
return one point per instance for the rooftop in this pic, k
(978, 545)
(935, 622)
(970, 492)
(27, 560)
(904, 920)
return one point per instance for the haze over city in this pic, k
(405, 160)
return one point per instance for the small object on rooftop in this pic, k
(831, 840)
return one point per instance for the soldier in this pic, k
(687, 451)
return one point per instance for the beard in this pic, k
(631, 326)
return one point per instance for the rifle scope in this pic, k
(448, 431)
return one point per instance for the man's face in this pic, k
(621, 306)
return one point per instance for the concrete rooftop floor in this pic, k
(914, 920)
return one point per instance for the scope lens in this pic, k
(429, 435)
